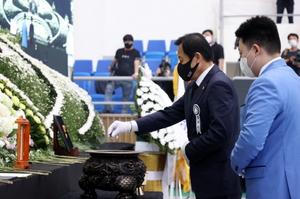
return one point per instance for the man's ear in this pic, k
(257, 49)
(198, 56)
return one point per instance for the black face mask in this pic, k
(185, 71)
(128, 45)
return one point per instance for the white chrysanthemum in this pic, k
(7, 125)
(4, 99)
(139, 101)
(145, 89)
(4, 111)
(161, 102)
(171, 145)
(141, 83)
(152, 98)
(6, 142)
(162, 141)
(170, 129)
(163, 132)
(145, 96)
(139, 92)
(2, 144)
(157, 107)
(145, 81)
(145, 107)
(19, 113)
(176, 144)
(152, 90)
(169, 137)
(150, 104)
(154, 134)
(143, 113)
(157, 98)
(152, 111)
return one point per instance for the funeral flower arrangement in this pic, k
(35, 91)
(150, 98)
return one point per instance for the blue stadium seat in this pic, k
(156, 45)
(153, 64)
(118, 97)
(156, 49)
(118, 91)
(154, 55)
(117, 108)
(96, 96)
(173, 48)
(83, 65)
(103, 64)
(173, 59)
(82, 83)
(138, 44)
(101, 74)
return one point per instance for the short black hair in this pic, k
(260, 30)
(293, 34)
(195, 42)
(208, 30)
(128, 38)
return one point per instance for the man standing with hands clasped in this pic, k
(210, 107)
(267, 150)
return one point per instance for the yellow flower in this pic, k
(42, 129)
(46, 139)
(37, 119)
(22, 106)
(15, 100)
(13, 111)
(29, 112)
(1, 86)
(8, 93)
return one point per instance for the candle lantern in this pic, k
(22, 143)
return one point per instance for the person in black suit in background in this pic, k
(288, 5)
(210, 107)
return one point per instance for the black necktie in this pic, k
(194, 89)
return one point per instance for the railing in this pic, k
(116, 78)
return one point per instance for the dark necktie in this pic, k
(194, 89)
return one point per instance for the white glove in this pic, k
(184, 154)
(119, 127)
(242, 174)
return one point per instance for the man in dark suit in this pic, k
(210, 107)
(288, 5)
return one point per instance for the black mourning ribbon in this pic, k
(194, 89)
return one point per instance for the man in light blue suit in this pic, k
(267, 150)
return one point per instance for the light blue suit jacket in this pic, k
(268, 148)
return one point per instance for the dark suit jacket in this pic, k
(209, 152)
(285, 2)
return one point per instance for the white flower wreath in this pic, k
(150, 98)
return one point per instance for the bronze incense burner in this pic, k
(112, 170)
